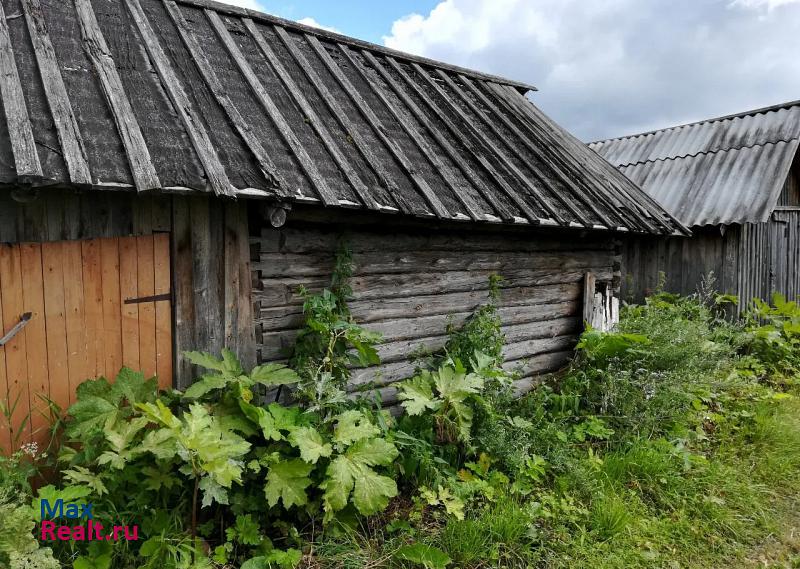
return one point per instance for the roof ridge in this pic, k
(762, 110)
(349, 40)
(707, 152)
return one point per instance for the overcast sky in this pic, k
(603, 67)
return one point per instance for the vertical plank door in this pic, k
(88, 308)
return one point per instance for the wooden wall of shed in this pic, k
(211, 281)
(409, 283)
(790, 194)
(681, 262)
(751, 261)
(779, 242)
(211, 278)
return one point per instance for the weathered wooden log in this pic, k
(280, 292)
(275, 345)
(386, 262)
(528, 300)
(316, 239)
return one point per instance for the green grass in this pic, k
(714, 515)
(649, 508)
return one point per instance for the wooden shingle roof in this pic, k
(193, 96)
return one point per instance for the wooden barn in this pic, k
(172, 172)
(735, 181)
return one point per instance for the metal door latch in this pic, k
(23, 321)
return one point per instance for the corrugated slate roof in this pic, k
(719, 171)
(196, 96)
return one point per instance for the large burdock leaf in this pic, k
(89, 413)
(341, 474)
(352, 472)
(453, 384)
(372, 452)
(287, 480)
(416, 394)
(423, 554)
(372, 491)
(132, 386)
(99, 404)
(463, 415)
(205, 384)
(212, 492)
(206, 360)
(274, 374)
(310, 443)
(352, 426)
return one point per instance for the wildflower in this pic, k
(31, 449)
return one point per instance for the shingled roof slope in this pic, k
(724, 170)
(201, 97)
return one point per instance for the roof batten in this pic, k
(57, 97)
(530, 111)
(215, 171)
(559, 150)
(141, 165)
(545, 203)
(252, 142)
(297, 95)
(556, 149)
(325, 193)
(416, 136)
(20, 131)
(433, 200)
(269, 19)
(522, 204)
(341, 117)
(522, 137)
(500, 208)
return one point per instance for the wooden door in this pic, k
(77, 310)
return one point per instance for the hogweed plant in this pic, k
(330, 342)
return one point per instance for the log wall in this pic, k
(409, 283)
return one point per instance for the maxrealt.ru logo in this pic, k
(73, 512)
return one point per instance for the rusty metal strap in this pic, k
(154, 298)
(23, 321)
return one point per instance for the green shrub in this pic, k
(217, 459)
(481, 333)
(774, 337)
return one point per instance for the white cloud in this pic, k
(769, 5)
(620, 66)
(315, 24)
(249, 4)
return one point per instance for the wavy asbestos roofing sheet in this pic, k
(195, 96)
(719, 171)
